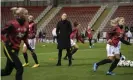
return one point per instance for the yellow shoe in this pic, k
(35, 66)
(25, 64)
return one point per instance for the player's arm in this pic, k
(124, 41)
(25, 39)
(80, 39)
(5, 30)
(111, 33)
(34, 29)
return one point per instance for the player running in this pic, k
(32, 42)
(12, 34)
(113, 50)
(74, 46)
(89, 35)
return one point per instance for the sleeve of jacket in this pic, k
(70, 27)
(58, 29)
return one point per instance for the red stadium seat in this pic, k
(6, 14)
(122, 11)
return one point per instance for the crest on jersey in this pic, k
(20, 35)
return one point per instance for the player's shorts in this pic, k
(32, 43)
(109, 49)
(116, 50)
(73, 42)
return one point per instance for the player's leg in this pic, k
(32, 44)
(65, 58)
(90, 43)
(13, 61)
(129, 39)
(18, 65)
(25, 55)
(110, 58)
(115, 62)
(69, 57)
(72, 44)
(59, 57)
(9, 64)
(76, 47)
(54, 37)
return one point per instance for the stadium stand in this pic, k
(6, 14)
(83, 15)
(122, 11)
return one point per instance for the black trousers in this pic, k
(12, 62)
(98, 38)
(60, 55)
(128, 39)
(54, 38)
(90, 42)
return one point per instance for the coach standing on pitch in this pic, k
(63, 32)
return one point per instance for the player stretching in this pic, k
(113, 52)
(73, 43)
(32, 42)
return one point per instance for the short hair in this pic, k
(75, 24)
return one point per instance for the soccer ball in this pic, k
(127, 63)
(131, 64)
(123, 57)
(121, 63)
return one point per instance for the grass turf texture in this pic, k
(81, 68)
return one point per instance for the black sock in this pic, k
(35, 57)
(120, 54)
(113, 65)
(59, 56)
(69, 56)
(25, 57)
(74, 51)
(104, 62)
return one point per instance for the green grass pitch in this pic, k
(81, 68)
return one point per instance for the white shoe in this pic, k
(36, 65)
(25, 64)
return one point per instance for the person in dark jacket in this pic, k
(98, 36)
(63, 32)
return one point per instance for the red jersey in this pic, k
(13, 33)
(116, 33)
(73, 35)
(32, 30)
(89, 33)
